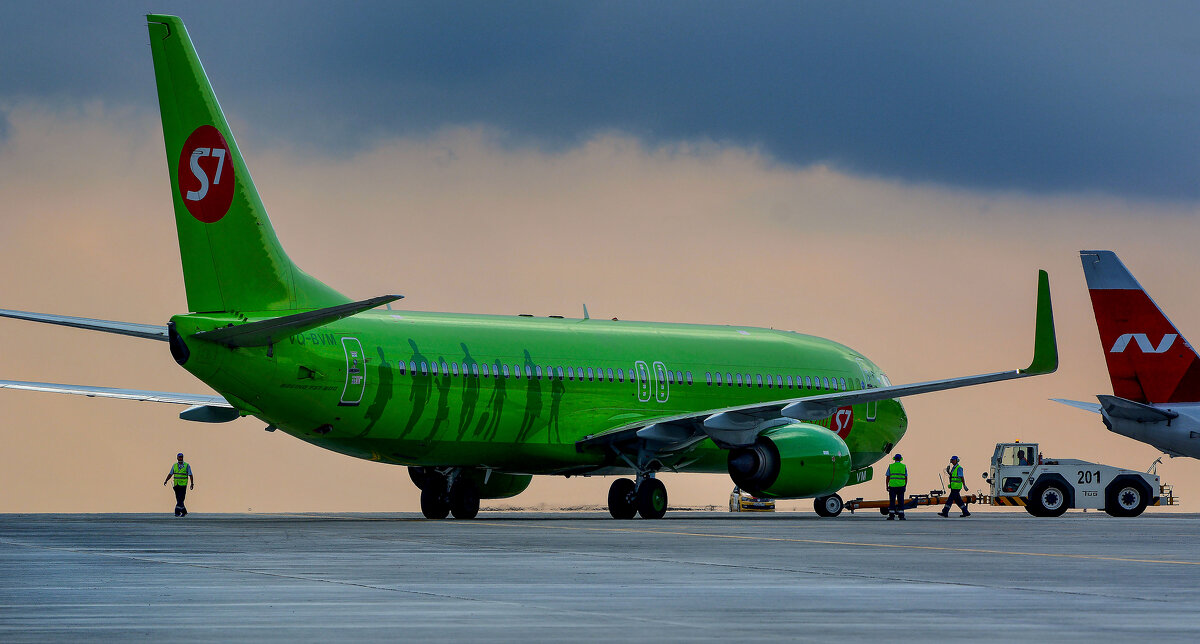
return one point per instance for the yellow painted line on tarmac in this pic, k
(859, 544)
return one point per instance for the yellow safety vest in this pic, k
(897, 475)
(956, 477)
(180, 471)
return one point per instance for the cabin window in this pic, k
(504, 370)
(454, 367)
(475, 370)
(789, 382)
(400, 364)
(718, 379)
(843, 383)
(424, 369)
(728, 379)
(570, 373)
(827, 383)
(708, 377)
(560, 373)
(590, 373)
(807, 382)
(620, 375)
(483, 370)
(610, 375)
(689, 377)
(670, 377)
(433, 368)
(739, 380)
(537, 371)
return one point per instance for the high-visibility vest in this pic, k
(897, 475)
(180, 471)
(956, 477)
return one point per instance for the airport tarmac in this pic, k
(515, 576)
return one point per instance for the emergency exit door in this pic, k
(356, 373)
(868, 377)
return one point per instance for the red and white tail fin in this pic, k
(1148, 359)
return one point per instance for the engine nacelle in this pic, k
(792, 461)
(500, 486)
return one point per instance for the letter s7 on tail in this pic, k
(475, 405)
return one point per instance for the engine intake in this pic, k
(792, 461)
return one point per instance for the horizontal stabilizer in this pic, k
(266, 332)
(1116, 407)
(124, 394)
(1086, 406)
(150, 331)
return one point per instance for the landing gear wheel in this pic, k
(1125, 501)
(621, 503)
(434, 504)
(652, 499)
(828, 506)
(464, 499)
(1048, 500)
(883, 511)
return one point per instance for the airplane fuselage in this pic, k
(517, 393)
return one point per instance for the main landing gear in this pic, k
(446, 492)
(647, 497)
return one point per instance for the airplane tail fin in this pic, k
(232, 260)
(1149, 361)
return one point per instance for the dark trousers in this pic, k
(955, 497)
(896, 500)
(180, 492)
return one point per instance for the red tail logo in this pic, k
(1148, 360)
(1143, 343)
(206, 176)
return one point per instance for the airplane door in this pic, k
(356, 373)
(661, 387)
(868, 377)
(643, 376)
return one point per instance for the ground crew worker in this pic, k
(180, 472)
(957, 484)
(897, 480)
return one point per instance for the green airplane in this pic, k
(475, 405)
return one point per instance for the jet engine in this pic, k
(792, 461)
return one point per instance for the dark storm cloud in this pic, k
(1045, 97)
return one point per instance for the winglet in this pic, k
(1045, 344)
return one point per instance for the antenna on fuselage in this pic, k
(585, 313)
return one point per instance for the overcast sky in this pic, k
(1027, 96)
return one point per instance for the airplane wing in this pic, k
(739, 426)
(204, 408)
(149, 331)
